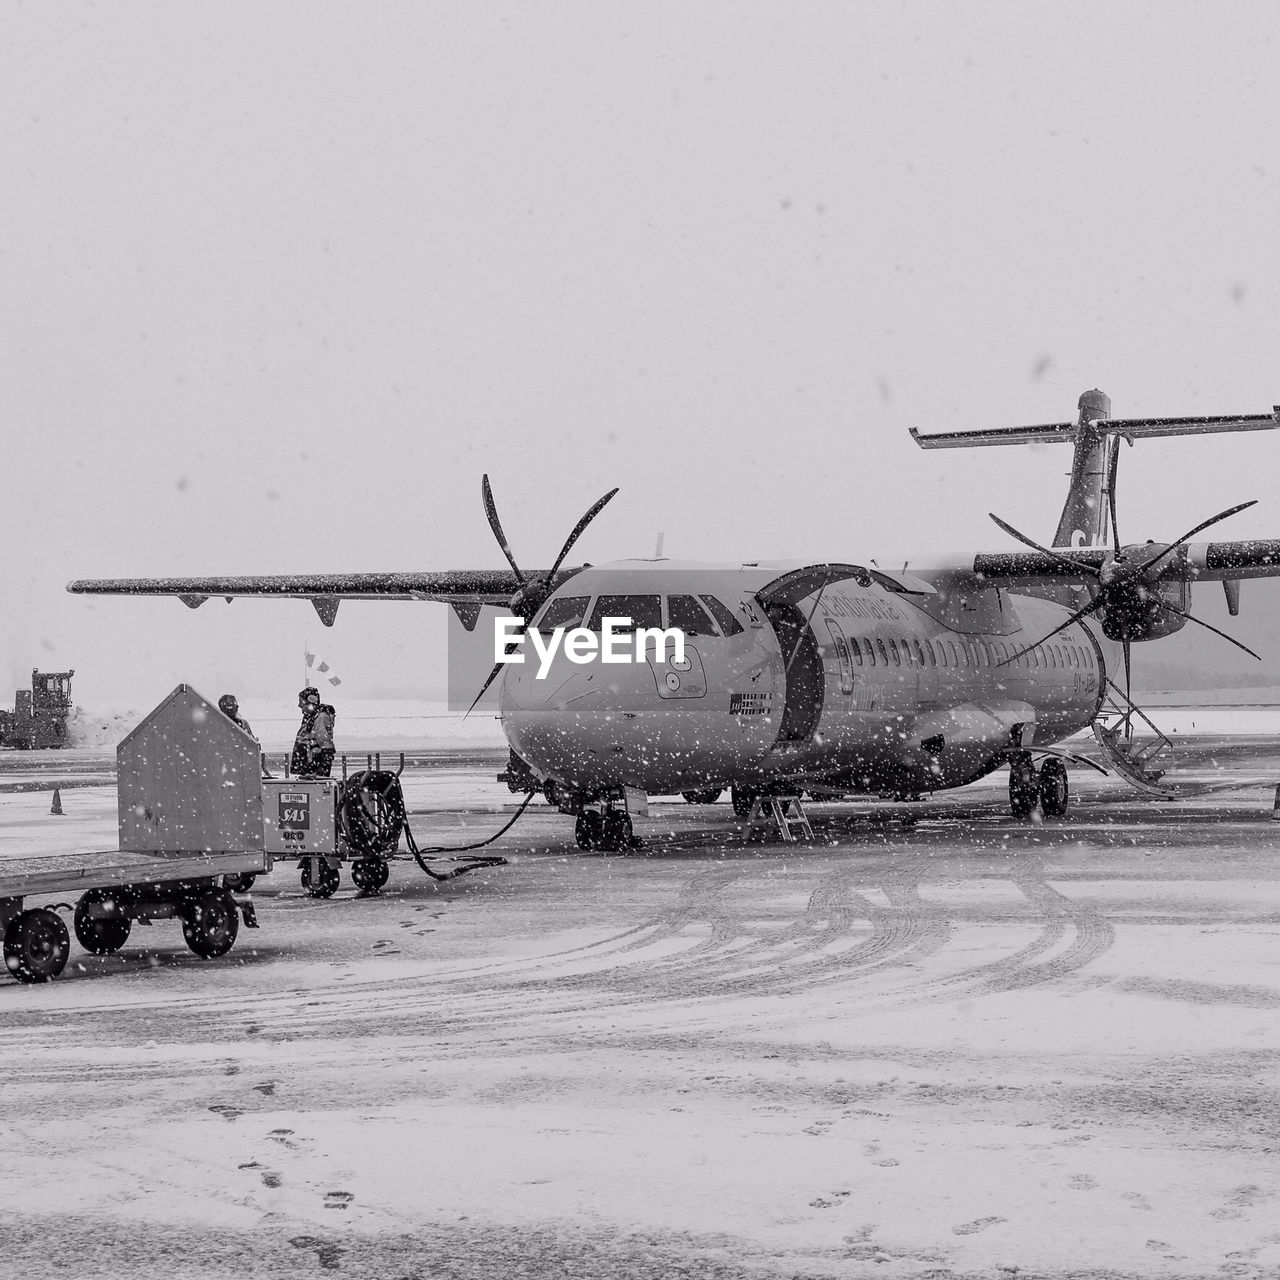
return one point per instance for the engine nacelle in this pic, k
(1141, 610)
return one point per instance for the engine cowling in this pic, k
(1136, 608)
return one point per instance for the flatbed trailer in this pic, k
(115, 889)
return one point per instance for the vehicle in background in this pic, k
(39, 717)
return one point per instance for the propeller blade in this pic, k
(1209, 627)
(593, 511)
(491, 510)
(484, 688)
(1035, 546)
(1092, 607)
(1186, 537)
(1111, 493)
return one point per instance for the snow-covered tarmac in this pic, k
(964, 1047)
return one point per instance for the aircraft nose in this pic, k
(568, 724)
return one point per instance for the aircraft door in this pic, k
(803, 673)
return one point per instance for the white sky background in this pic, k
(281, 281)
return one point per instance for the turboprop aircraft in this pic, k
(834, 678)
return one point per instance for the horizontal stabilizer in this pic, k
(1130, 428)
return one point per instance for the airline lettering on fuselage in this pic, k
(843, 606)
(750, 704)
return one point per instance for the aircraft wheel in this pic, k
(322, 885)
(241, 883)
(707, 796)
(588, 831)
(1055, 791)
(616, 836)
(36, 945)
(742, 801)
(101, 935)
(211, 923)
(1024, 787)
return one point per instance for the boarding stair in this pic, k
(1131, 753)
(780, 814)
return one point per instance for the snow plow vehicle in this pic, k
(39, 717)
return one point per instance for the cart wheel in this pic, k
(211, 924)
(325, 885)
(382, 873)
(102, 935)
(241, 883)
(369, 874)
(36, 945)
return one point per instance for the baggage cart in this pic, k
(115, 890)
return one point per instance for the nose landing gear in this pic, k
(608, 830)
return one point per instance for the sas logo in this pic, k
(295, 811)
(750, 704)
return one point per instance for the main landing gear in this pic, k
(1046, 786)
(608, 830)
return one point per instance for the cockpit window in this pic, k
(728, 623)
(687, 614)
(644, 611)
(564, 611)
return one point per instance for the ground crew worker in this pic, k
(230, 708)
(313, 747)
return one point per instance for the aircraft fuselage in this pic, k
(861, 686)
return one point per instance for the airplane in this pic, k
(831, 678)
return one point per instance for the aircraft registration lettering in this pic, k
(750, 704)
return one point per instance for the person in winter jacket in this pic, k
(313, 747)
(230, 708)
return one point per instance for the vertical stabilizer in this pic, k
(1084, 515)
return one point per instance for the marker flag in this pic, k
(318, 669)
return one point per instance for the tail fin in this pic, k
(1096, 436)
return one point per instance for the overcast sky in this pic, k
(280, 281)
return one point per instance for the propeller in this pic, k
(534, 590)
(1126, 585)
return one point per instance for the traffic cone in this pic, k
(56, 806)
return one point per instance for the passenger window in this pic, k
(884, 656)
(723, 615)
(564, 611)
(644, 611)
(893, 653)
(870, 652)
(856, 649)
(687, 614)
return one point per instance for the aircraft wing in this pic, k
(1197, 561)
(467, 590)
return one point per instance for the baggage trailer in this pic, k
(189, 801)
(115, 890)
